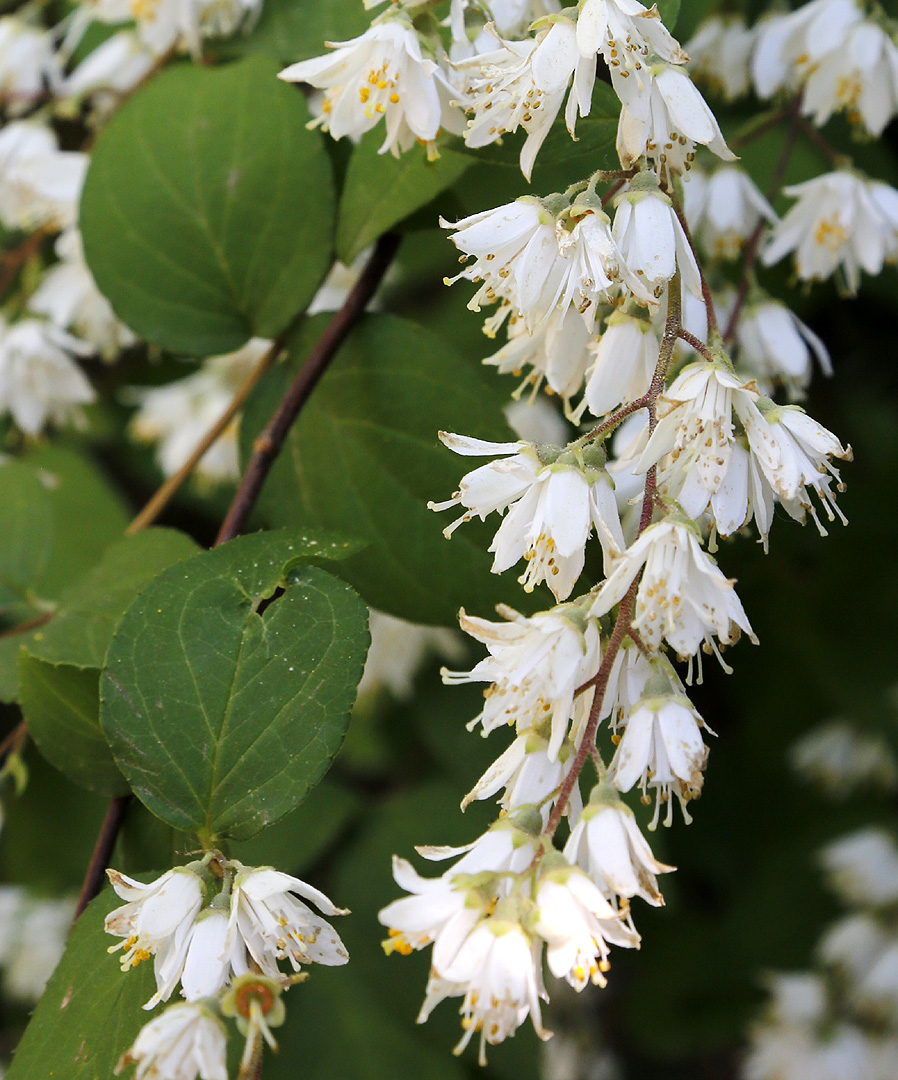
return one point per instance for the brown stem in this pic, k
(24, 627)
(612, 191)
(697, 343)
(813, 135)
(14, 741)
(753, 245)
(268, 445)
(96, 870)
(622, 627)
(166, 493)
(713, 328)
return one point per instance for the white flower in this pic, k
(723, 209)
(116, 66)
(624, 361)
(859, 76)
(522, 84)
(743, 494)
(444, 910)
(557, 351)
(213, 952)
(29, 66)
(157, 919)
(183, 1043)
(607, 845)
(629, 673)
(398, 651)
(863, 867)
(625, 33)
(39, 184)
(276, 925)
(535, 665)
(840, 758)
(528, 775)
(578, 923)
(68, 296)
(799, 1053)
(39, 929)
(682, 596)
(665, 121)
(777, 346)
(852, 944)
(790, 46)
(516, 257)
(182, 24)
(797, 997)
(39, 379)
(380, 74)
(662, 748)
(496, 970)
(554, 501)
(694, 437)
(793, 453)
(536, 420)
(180, 413)
(720, 52)
(841, 221)
(651, 239)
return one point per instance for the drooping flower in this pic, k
(213, 953)
(841, 221)
(184, 1042)
(720, 53)
(496, 970)
(664, 121)
(111, 69)
(157, 920)
(535, 666)
(863, 867)
(554, 500)
(382, 74)
(662, 748)
(651, 239)
(623, 363)
(578, 924)
(840, 759)
(68, 296)
(777, 347)
(682, 595)
(626, 33)
(39, 379)
(399, 649)
(794, 452)
(276, 925)
(523, 84)
(723, 208)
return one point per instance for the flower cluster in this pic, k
(220, 930)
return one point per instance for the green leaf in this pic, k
(61, 705)
(222, 715)
(90, 1012)
(59, 663)
(208, 208)
(57, 514)
(292, 30)
(364, 457)
(81, 629)
(380, 191)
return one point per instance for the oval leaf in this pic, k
(208, 208)
(222, 715)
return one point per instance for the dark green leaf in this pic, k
(61, 705)
(24, 540)
(364, 457)
(208, 209)
(90, 1012)
(221, 717)
(380, 191)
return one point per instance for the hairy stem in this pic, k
(268, 445)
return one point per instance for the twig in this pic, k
(164, 495)
(268, 445)
(24, 627)
(696, 343)
(753, 245)
(109, 830)
(11, 262)
(14, 741)
(814, 136)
